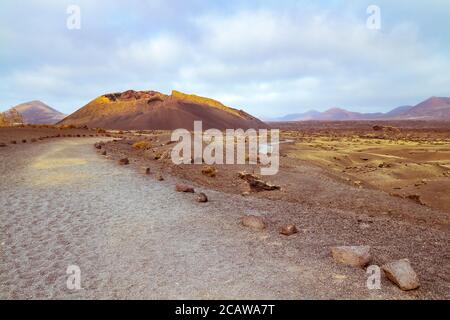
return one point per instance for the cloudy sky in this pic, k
(269, 58)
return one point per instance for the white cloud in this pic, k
(270, 58)
(161, 51)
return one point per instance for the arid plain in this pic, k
(379, 184)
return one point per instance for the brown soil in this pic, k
(135, 237)
(401, 173)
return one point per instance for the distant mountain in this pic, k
(308, 115)
(434, 108)
(398, 111)
(342, 114)
(37, 112)
(153, 110)
(333, 114)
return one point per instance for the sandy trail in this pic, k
(63, 204)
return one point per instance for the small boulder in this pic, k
(201, 197)
(184, 188)
(24, 141)
(416, 198)
(103, 153)
(402, 274)
(147, 170)
(356, 256)
(209, 171)
(2, 145)
(256, 183)
(377, 128)
(13, 142)
(254, 222)
(288, 230)
(124, 161)
(159, 177)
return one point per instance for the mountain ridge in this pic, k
(37, 112)
(433, 108)
(154, 110)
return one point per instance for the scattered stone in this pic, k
(288, 230)
(97, 146)
(157, 156)
(147, 170)
(364, 226)
(384, 165)
(256, 183)
(2, 145)
(209, 171)
(201, 197)
(33, 140)
(184, 188)
(254, 222)
(124, 161)
(159, 177)
(24, 141)
(103, 153)
(377, 128)
(415, 198)
(245, 193)
(143, 145)
(356, 256)
(13, 142)
(402, 274)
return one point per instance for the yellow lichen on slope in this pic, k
(203, 100)
(101, 99)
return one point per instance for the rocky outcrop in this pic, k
(201, 197)
(254, 222)
(356, 256)
(288, 230)
(146, 110)
(184, 188)
(255, 182)
(402, 274)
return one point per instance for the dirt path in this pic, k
(133, 237)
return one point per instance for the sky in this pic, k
(270, 58)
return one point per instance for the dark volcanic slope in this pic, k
(153, 110)
(37, 112)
